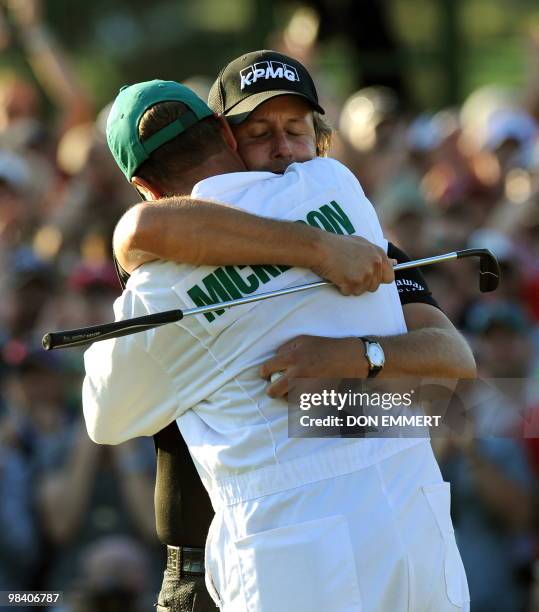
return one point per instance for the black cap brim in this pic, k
(239, 113)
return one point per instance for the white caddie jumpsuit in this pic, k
(301, 525)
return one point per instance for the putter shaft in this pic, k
(95, 333)
(278, 292)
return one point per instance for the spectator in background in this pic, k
(87, 492)
(491, 486)
(15, 217)
(79, 490)
(402, 211)
(94, 197)
(491, 477)
(525, 237)
(112, 577)
(51, 69)
(19, 545)
(28, 286)
(371, 137)
(91, 492)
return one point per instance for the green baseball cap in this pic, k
(130, 105)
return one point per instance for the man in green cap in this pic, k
(183, 511)
(271, 104)
(133, 153)
(149, 408)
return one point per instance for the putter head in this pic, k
(489, 272)
(489, 269)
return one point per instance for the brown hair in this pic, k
(323, 134)
(184, 152)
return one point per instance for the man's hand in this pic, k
(353, 264)
(315, 357)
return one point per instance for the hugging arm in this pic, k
(200, 232)
(431, 348)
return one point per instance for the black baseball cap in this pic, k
(251, 79)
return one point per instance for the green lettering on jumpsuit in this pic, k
(226, 283)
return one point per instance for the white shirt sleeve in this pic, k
(349, 183)
(126, 393)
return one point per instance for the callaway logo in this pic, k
(406, 285)
(267, 70)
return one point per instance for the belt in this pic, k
(185, 561)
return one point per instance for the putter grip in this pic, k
(95, 333)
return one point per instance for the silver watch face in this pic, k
(376, 355)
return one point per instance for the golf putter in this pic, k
(489, 278)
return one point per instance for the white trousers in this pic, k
(375, 539)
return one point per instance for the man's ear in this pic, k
(146, 190)
(228, 135)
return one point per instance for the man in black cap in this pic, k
(183, 514)
(271, 103)
(267, 89)
(254, 78)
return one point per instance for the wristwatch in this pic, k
(375, 357)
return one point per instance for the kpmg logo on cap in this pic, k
(267, 70)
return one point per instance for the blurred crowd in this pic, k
(79, 517)
(460, 178)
